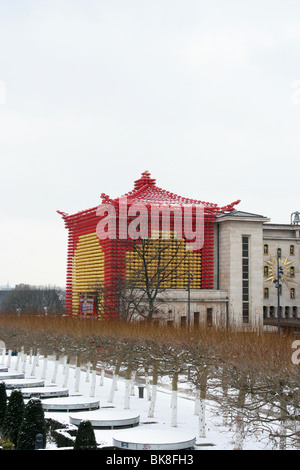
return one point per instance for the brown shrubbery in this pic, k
(250, 375)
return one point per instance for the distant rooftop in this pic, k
(239, 214)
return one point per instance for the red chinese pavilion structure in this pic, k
(92, 260)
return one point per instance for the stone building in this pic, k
(248, 251)
(281, 249)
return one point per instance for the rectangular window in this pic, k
(245, 279)
(196, 318)
(265, 311)
(245, 312)
(209, 316)
(266, 292)
(292, 293)
(294, 312)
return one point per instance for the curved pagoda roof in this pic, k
(146, 192)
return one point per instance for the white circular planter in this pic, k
(45, 392)
(107, 418)
(23, 383)
(75, 403)
(153, 439)
(11, 375)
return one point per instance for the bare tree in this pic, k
(155, 265)
(152, 266)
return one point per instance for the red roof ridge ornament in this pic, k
(105, 198)
(145, 179)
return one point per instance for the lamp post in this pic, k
(277, 285)
(188, 288)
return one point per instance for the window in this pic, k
(292, 271)
(183, 321)
(292, 293)
(278, 252)
(292, 250)
(209, 317)
(266, 292)
(266, 249)
(294, 312)
(287, 312)
(196, 318)
(245, 279)
(266, 271)
(265, 311)
(245, 312)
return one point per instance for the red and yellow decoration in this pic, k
(109, 261)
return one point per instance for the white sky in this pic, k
(203, 94)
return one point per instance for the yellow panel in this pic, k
(88, 268)
(175, 254)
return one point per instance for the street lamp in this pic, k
(280, 273)
(188, 289)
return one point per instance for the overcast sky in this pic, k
(203, 94)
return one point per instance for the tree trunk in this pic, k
(93, 381)
(88, 370)
(201, 418)
(147, 383)
(67, 370)
(239, 434)
(30, 356)
(18, 360)
(114, 383)
(197, 402)
(283, 417)
(55, 369)
(77, 375)
(153, 392)
(37, 357)
(127, 389)
(24, 363)
(45, 363)
(33, 365)
(3, 356)
(133, 374)
(202, 402)
(174, 399)
(102, 377)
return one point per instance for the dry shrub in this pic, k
(245, 350)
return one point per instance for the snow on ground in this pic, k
(218, 435)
